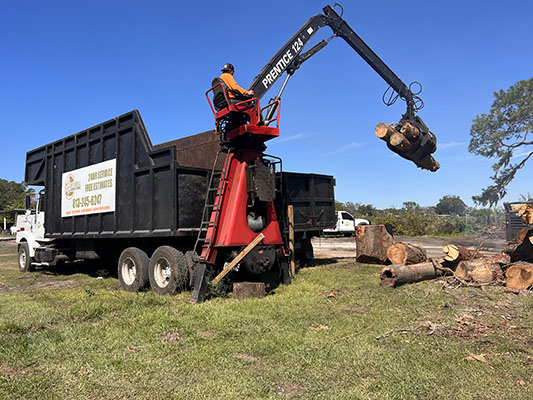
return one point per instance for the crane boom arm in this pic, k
(288, 58)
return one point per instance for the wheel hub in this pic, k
(129, 271)
(162, 272)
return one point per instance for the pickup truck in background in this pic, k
(346, 224)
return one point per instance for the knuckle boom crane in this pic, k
(240, 224)
(421, 142)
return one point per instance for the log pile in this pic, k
(512, 268)
(402, 138)
(525, 212)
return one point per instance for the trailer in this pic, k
(110, 194)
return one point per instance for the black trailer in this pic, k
(158, 198)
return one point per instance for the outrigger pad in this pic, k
(200, 284)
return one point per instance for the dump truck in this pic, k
(110, 194)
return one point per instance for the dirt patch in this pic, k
(246, 357)
(14, 372)
(290, 389)
(7, 242)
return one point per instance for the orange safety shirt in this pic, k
(231, 84)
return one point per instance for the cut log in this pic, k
(522, 234)
(525, 212)
(464, 269)
(428, 163)
(406, 253)
(521, 248)
(384, 131)
(456, 253)
(396, 275)
(372, 242)
(486, 273)
(410, 132)
(519, 276)
(399, 141)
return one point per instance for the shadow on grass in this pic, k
(92, 268)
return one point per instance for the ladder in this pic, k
(211, 211)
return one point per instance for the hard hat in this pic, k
(228, 67)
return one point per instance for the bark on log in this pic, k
(410, 132)
(384, 131)
(486, 273)
(428, 163)
(456, 253)
(400, 141)
(521, 249)
(519, 276)
(406, 253)
(396, 275)
(372, 242)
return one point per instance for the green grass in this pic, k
(64, 334)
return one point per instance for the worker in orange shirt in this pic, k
(235, 91)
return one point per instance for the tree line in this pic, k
(12, 195)
(450, 216)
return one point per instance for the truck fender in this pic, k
(25, 236)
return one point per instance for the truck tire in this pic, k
(24, 258)
(133, 269)
(168, 272)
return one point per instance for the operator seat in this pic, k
(221, 92)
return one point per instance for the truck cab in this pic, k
(30, 232)
(346, 224)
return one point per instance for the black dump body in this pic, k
(155, 196)
(160, 190)
(313, 200)
(513, 223)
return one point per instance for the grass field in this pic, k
(70, 333)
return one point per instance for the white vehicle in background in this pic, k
(346, 224)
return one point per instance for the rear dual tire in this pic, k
(133, 269)
(168, 271)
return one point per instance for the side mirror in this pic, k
(28, 202)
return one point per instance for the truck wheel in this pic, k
(133, 269)
(168, 271)
(24, 258)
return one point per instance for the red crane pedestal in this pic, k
(244, 201)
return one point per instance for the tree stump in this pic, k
(372, 242)
(406, 253)
(519, 276)
(244, 290)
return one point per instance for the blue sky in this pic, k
(68, 65)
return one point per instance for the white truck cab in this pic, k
(30, 233)
(346, 224)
